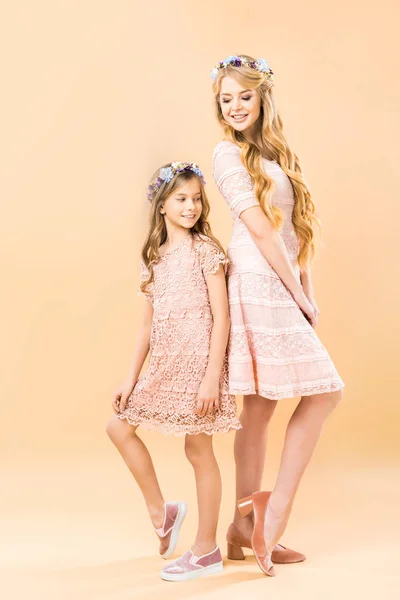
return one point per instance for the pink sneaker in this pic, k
(168, 534)
(190, 566)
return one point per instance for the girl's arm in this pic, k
(272, 247)
(208, 396)
(141, 351)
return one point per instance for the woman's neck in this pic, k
(253, 134)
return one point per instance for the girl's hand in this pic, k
(122, 394)
(208, 397)
(307, 308)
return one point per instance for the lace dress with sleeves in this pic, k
(273, 350)
(165, 397)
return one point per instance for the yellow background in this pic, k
(97, 95)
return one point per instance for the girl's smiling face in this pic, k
(240, 107)
(183, 207)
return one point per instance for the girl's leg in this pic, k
(250, 449)
(302, 434)
(138, 461)
(199, 451)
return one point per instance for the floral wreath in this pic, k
(168, 173)
(260, 65)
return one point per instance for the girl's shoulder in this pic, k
(202, 242)
(209, 253)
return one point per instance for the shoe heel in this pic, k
(245, 506)
(234, 552)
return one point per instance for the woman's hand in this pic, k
(122, 394)
(307, 308)
(306, 284)
(208, 396)
(313, 303)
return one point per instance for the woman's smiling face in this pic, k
(240, 107)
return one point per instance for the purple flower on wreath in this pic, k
(230, 60)
(260, 65)
(167, 174)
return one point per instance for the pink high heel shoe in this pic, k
(257, 503)
(236, 540)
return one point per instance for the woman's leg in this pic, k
(199, 451)
(250, 449)
(138, 461)
(302, 434)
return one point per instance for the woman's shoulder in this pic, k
(225, 147)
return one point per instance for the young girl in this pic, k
(185, 326)
(274, 351)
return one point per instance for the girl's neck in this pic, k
(174, 237)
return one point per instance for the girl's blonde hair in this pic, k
(157, 234)
(276, 148)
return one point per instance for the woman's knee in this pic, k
(325, 403)
(336, 398)
(258, 411)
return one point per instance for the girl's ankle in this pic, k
(157, 515)
(202, 548)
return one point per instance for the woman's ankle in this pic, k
(276, 520)
(244, 524)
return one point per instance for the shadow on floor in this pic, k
(139, 578)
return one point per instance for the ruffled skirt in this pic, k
(273, 350)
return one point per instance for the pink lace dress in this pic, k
(273, 350)
(165, 397)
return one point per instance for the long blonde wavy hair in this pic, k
(275, 147)
(157, 234)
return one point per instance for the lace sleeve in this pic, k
(144, 275)
(211, 258)
(232, 179)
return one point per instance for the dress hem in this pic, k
(178, 432)
(322, 389)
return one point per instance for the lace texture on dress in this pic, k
(165, 397)
(273, 350)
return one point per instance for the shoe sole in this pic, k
(203, 572)
(182, 510)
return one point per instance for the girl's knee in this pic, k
(117, 429)
(196, 449)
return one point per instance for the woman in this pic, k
(274, 352)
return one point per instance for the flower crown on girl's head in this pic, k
(168, 173)
(260, 65)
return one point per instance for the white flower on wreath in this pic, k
(166, 174)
